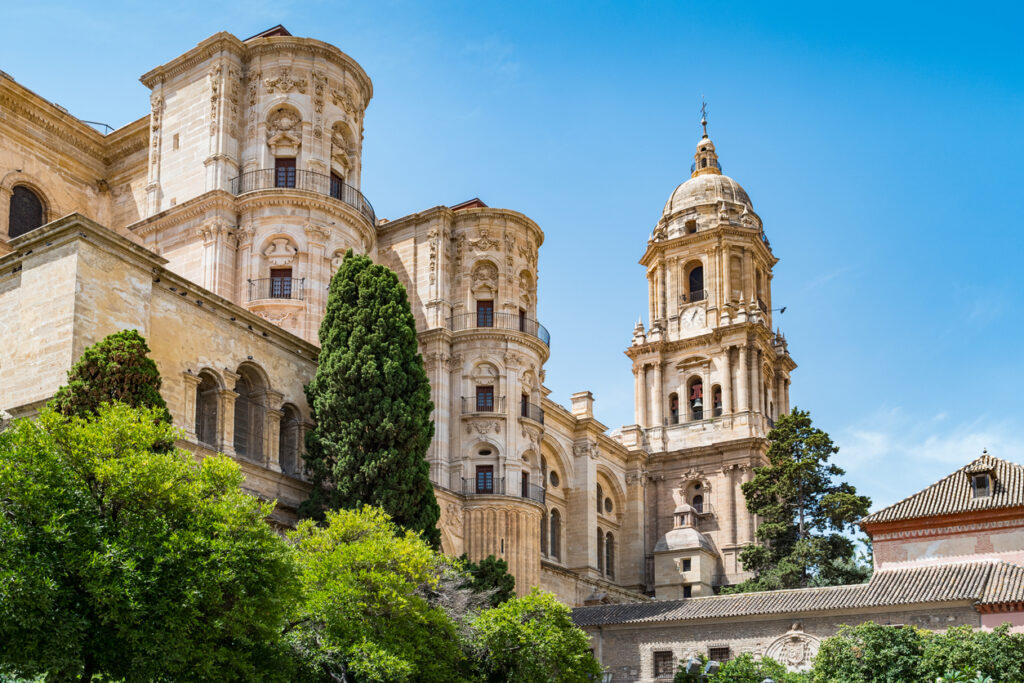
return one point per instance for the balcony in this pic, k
(762, 305)
(696, 295)
(471, 405)
(499, 321)
(495, 486)
(309, 181)
(715, 164)
(276, 288)
(531, 411)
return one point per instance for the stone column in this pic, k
(743, 374)
(755, 381)
(273, 439)
(726, 276)
(730, 495)
(670, 301)
(662, 294)
(727, 382)
(747, 526)
(658, 396)
(188, 418)
(642, 386)
(226, 420)
(652, 298)
(748, 277)
(638, 389)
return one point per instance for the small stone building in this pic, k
(949, 555)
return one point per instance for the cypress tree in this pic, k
(116, 368)
(371, 403)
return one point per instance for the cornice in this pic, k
(194, 208)
(484, 213)
(716, 336)
(21, 101)
(711, 237)
(317, 48)
(960, 523)
(218, 42)
(277, 196)
(126, 140)
(498, 334)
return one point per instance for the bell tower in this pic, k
(710, 374)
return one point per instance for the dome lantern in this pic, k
(705, 160)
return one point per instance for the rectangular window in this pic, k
(485, 479)
(524, 406)
(522, 320)
(687, 591)
(526, 484)
(284, 172)
(280, 283)
(687, 564)
(485, 399)
(485, 314)
(336, 186)
(982, 488)
(663, 664)
(720, 653)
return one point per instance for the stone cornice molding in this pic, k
(975, 520)
(705, 240)
(717, 337)
(215, 44)
(197, 207)
(55, 120)
(497, 334)
(292, 197)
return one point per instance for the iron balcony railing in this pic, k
(276, 288)
(500, 321)
(715, 164)
(310, 181)
(703, 509)
(531, 411)
(762, 305)
(478, 404)
(696, 295)
(495, 486)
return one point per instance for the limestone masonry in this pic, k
(213, 225)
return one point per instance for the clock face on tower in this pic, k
(692, 318)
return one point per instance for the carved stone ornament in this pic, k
(337, 259)
(284, 82)
(283, 132)
(484, 242)
(215, 72)
(319, 85)
(317, 234)
(346, 98)
(698, 477)
(254, 93)
(453, 518)
(796, 649)
(213, 230)
(485, 276)
(454, 362)
(433, 242)
(483, 427)
(531, 434)
(637, 477)
(525, 288)
(529, 253)
(281, 252)
(582, 448)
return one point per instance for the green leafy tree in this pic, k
(366, 614)
(116, 368)
(490, 576)
(805, 513)
(123, 563)
(371, 403)
(996, 654)
(532, 640)
(869, 653)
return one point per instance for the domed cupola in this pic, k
(705, 161)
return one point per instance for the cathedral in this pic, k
(213, 225)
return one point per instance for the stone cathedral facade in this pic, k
(213, 225)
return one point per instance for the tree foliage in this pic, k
(804, 512)
(873, 652)
(125, 563)
(116, 368)
(532, 640)
(366, 613)
(491, 576)
(371, 403)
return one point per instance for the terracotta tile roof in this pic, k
(1006, 584)
(953, 494)
(960, 582)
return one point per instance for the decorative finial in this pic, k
(984, 451)
(704, 115)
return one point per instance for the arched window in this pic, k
(673, 408)
(698, 503)
(206, 410)
(696, 399)
(543, 471)
(600, 499)
(544, 533)
(288, 441)
(556, 534)
(609, 555)
(248, 420)
(716, 400)
(26, 211)
(600, 551)
(696, 283)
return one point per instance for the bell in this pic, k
(697, 403)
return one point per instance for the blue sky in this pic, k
(881, 144)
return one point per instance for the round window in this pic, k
(608, 505)
(485, 451)
(553, 478)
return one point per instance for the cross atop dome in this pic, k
(705, 160)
